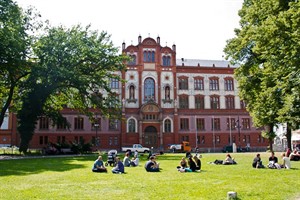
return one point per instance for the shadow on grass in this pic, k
(27, 166)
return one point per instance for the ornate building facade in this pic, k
(165, 101)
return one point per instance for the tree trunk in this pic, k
(289, 136)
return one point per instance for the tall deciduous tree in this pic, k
(15, 43)
(73, 68)
(267, 47)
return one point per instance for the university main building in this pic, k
(165, 101)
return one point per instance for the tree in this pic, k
(73, 69)
(267, 49)
(16, 36)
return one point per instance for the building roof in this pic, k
(203, 63)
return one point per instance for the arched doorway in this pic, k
(150, 137)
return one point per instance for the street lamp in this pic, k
(96, 125)
(239, 130)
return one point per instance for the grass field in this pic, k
(71, 178)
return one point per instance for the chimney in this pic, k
(123, 46)
(158, 40)
(140, 39)
(174, 47)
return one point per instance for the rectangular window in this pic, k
(231, 124)
(229, 102)
(198, 84)
(43, 140)
(203, 140)
(229, 85)
(200, 124)
(243, 104)
(78, 123)
(110, 141)
(199, 102)
(44, 123)
(215, 122)
(213, 84)
(183, 84)
(217, 139)
(116, 140)
(62, 125)
(113, 124)
(184, 101)
(246, 123)
(185, 138)
(214, 102)
(198, 140)
(184, 124)
(114, 83)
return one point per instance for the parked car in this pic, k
(183, 147)
(137, 147)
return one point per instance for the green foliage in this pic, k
(267, 47)
(16, 28)
(73, 69)
(71, 178)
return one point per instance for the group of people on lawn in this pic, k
(119, 167)
(273, 162)
(192, 164)
(189, 164)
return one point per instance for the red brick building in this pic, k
(165, 101)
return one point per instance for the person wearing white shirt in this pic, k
(286, 162)
(135, 161)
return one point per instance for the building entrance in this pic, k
(150, 137)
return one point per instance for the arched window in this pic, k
(149, 56)
(149, 89)
(152, 56)
(131, 125)
(167, 127)
(131, 92)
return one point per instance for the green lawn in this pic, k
(71, 178)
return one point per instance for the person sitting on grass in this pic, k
(126, 160)
(119, 168)
(257, 163)
(134, 162)
(151, 165)
(198, 162)
(98, 165)
(295, 155)
(286, 162)
(182, 165)
(273, 161)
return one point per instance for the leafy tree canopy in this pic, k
(73, 69)
(267, 47)
(16, 28)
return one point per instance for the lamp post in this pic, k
(96, 125)
(239, 130)
(230, 135)
(213, 126)
(196, 134)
